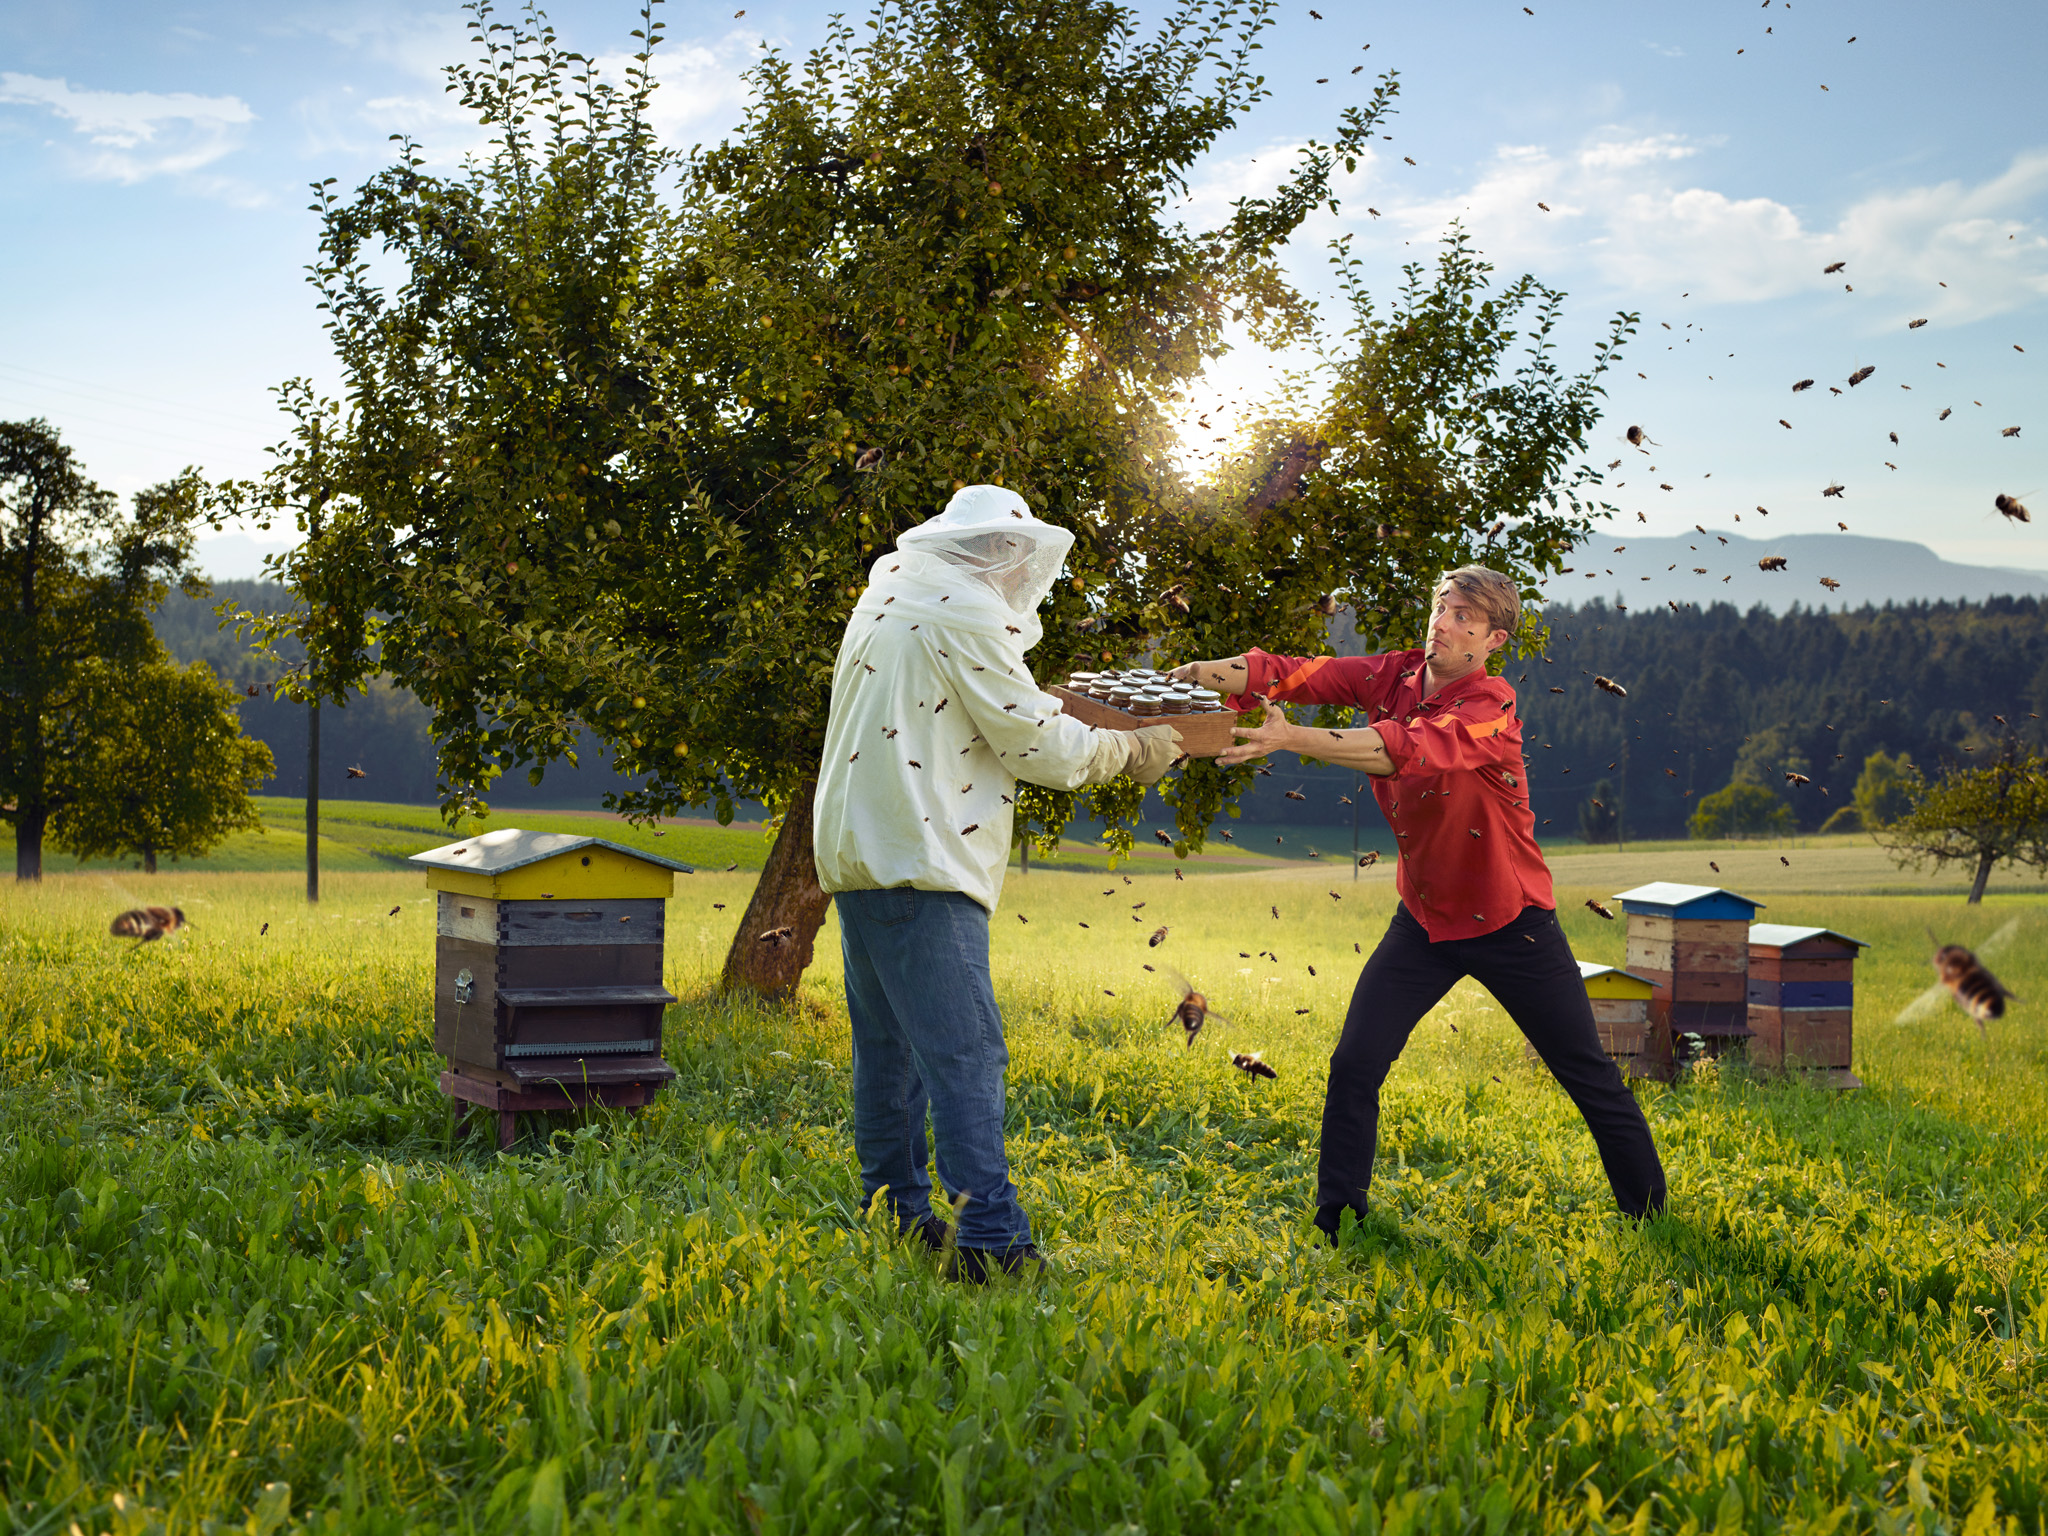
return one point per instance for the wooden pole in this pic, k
(313, 803)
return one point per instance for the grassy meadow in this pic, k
(253, 1282)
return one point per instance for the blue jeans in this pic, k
(927, 1036)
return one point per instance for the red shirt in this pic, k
(1457, 800)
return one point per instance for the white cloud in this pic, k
(1620, 205)
(135, 135)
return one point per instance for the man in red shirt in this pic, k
(1444, 749)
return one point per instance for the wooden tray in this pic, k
(1202, 735)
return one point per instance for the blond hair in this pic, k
(1496, 595)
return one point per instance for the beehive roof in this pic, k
(1783, 935)
(1678, 900)
(1588, 970)
(493, 853)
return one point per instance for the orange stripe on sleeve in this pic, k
(1299, 675)
(1492, 727)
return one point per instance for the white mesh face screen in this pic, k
(1018, 567)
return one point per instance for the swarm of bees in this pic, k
(143, 924)
(1977, 992)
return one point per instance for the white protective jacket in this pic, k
(934, 713)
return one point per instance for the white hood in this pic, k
(983, 564)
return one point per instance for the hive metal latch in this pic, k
(465, 986)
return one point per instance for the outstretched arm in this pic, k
(1363, 748)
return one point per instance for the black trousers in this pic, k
(1529, 968)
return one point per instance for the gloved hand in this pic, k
(1153, 750)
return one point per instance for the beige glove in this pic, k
(1153, 750)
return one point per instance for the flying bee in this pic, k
(1637, 437)
(1832, 268)
(1249, 1063)
(1295, 794)
(1834, 488)
(146, 923)
(1605, 912)
(1194, 1010)
(1771, 563)
(869, 461)
(1158, 938)
(1861, 374)
(1796, 778)
(1326, 605)
(1609, 685)
(1977, 992)
(1946, 412)
(1802, 384)
(1830, 583)
(356, 773)
(2010, 432)
(1367, 860)
(2009, 506)
(1914, 325)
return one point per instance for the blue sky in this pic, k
(154, 162)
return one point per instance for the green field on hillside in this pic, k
(253, 1280)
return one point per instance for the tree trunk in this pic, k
(1985, 860)
(29, 822)
(787, 896)
(313, 804)
(148, 859)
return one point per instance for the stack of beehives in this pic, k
(1691, 943)
(1801, 998)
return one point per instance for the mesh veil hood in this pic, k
(984, 563)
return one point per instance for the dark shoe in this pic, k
(1330, 1219)
(931, 1232)
(975, 1265)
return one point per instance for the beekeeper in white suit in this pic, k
(934, 719)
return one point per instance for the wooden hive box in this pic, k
(1621, 1015)
(1691, 942)
(547, 974)
(1802, 1002)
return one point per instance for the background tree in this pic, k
(1979, 816)
(77, 582)
(1448, 433)
(1600, 814)
(1740, 810)
(621, 457)
(165, 771)
(327, 641)
(1884, 790)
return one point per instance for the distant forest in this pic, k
(385, 732)
(1812, 692)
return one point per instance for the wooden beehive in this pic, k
(547, 973)
(1691, 943)
(1802, 1002)
(1621, 1015)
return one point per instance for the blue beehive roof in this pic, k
(1667, 898)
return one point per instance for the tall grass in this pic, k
(252, 1278)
